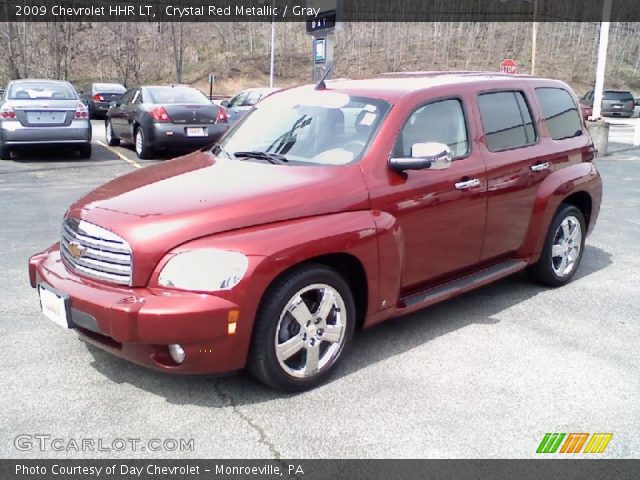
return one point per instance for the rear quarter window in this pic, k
(506, 120)
(560, 112)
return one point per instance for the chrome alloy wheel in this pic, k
(311, 331)
(109, 132)
(567, 244)
(139, 144)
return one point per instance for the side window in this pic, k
(251, 99)
(442, 121)
(506, 119)
(560, 112)
(137, 97)
(126, 98)
(238, 100)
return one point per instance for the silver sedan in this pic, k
(44, 112)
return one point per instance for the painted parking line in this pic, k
(119, 155)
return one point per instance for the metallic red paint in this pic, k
(408, 232)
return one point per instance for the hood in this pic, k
(160, 207)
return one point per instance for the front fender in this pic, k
(581, 177)
(274, 248)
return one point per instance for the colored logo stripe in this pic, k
(574, 443)
(550, 443)
(598, 442)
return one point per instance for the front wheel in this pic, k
(563, 248)
(303, 328)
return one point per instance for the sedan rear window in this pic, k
(177, 95)
(41, 91)
(109, 88)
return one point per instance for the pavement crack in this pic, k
(264, 438)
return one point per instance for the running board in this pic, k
(464, 284)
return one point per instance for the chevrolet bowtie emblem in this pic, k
(76, 250)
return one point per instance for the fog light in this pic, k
(177, 353)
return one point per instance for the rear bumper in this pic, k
(14, 133)
(617, 113)
(99, 107)
(169, 135)
(138, 324)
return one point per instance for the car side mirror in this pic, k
(113, 103)
(430, 155)
(224, 103)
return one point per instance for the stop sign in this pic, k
(509, 66)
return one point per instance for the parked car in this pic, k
(240, 105)
(99, 95)
(326, 210)
(636, 110)
(163, 117)
(43, 112)
(615, 103)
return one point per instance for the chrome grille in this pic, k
(95, 252)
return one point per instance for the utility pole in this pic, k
(602, 59)
(537, 6)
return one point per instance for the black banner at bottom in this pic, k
(320, 469)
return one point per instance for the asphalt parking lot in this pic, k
(484, 375)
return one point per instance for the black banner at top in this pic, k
(302, 10)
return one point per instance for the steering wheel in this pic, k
(355, 146)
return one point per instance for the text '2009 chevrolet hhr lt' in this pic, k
(324, 210)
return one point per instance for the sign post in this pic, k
(212, 79)
(509, 66)
(322, 27)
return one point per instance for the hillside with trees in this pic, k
(238, 53)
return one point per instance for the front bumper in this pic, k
(170, 135)
(138, 324)
(14, 133)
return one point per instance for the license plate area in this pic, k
(196, 132)
(44, 118)
(54, 305)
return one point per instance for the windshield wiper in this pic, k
(269, 157)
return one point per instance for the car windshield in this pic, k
(319, 127)
(41, 91)
(109, 87)
(177, 95)
(620, 96)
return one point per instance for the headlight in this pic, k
(207, 269)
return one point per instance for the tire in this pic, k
(5, 153)
(112, 140)
(141, 146)
(563, 248)
(85, 150)
(292, 369)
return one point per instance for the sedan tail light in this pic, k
(7, 113)
(98, 98)
(222, 116)
(159, 114)
(81, 111)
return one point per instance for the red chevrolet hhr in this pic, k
(324, 210)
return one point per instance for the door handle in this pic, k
(539, 167)
(473, 182)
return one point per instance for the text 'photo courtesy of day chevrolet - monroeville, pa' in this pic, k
(320, 239)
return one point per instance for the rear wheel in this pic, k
(85, 150)
(563, 248)
(112, 140)
(5, 153)
(303, 328)
(142, 148)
